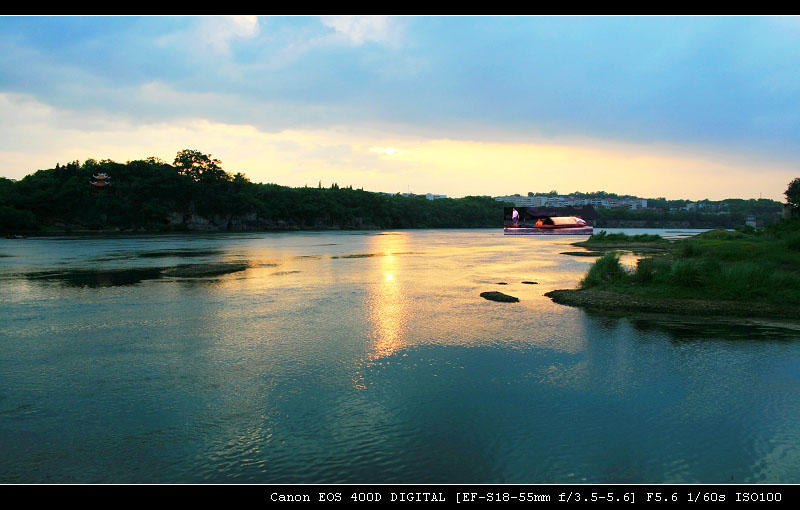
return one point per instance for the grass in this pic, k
(793, 242)
(762, 266)
(603, 241)
(605, 237)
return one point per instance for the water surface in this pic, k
(370, 357)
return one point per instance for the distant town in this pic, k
(548, 200)
(429, 196)
(755, 212)
(603, 200)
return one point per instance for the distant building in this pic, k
(519, 201)
(572, 201)
(751, 221)
(431, 196)
(556, 202)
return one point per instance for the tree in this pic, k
(155, 161)
(199, 166)
(793, 193)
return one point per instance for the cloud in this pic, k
(198, 39)
(218, 32)
(727, 84)
(362, 29)
(34, 135)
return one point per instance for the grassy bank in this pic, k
(746, 273)
(603, 241)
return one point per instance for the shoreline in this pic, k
(601, 300)
(133, 233)
(639, 247)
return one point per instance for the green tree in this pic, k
(793, 193)
(199, 166)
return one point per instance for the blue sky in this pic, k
(323, 96)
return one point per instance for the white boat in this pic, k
(556, 225)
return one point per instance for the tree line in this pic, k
(150, 194)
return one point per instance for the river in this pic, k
(366, 357)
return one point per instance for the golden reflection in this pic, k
(387, 304)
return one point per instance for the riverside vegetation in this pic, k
(195, 193)
(745, 273)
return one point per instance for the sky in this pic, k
(676, 107)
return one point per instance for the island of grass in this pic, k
(604, 242)
(745, 273)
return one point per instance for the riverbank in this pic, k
(600, 300)
(744, 274)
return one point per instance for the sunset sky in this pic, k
(677, 107)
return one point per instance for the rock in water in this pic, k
(499, 296)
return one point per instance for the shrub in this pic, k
(606, 269)
(711, 267)
(747, 279)
(720, 234)
(650, 268)
(793, 241)
(689, 249)
(687, 273)
(750, 278)
(783, 280)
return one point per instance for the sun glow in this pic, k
(386, 151)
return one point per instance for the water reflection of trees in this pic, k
(686, 329)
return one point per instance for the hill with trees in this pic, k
(195, 193)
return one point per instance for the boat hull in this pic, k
(534, 231)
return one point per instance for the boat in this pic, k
(549, 225)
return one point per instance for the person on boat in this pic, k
(515, 216)
(539, 222)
